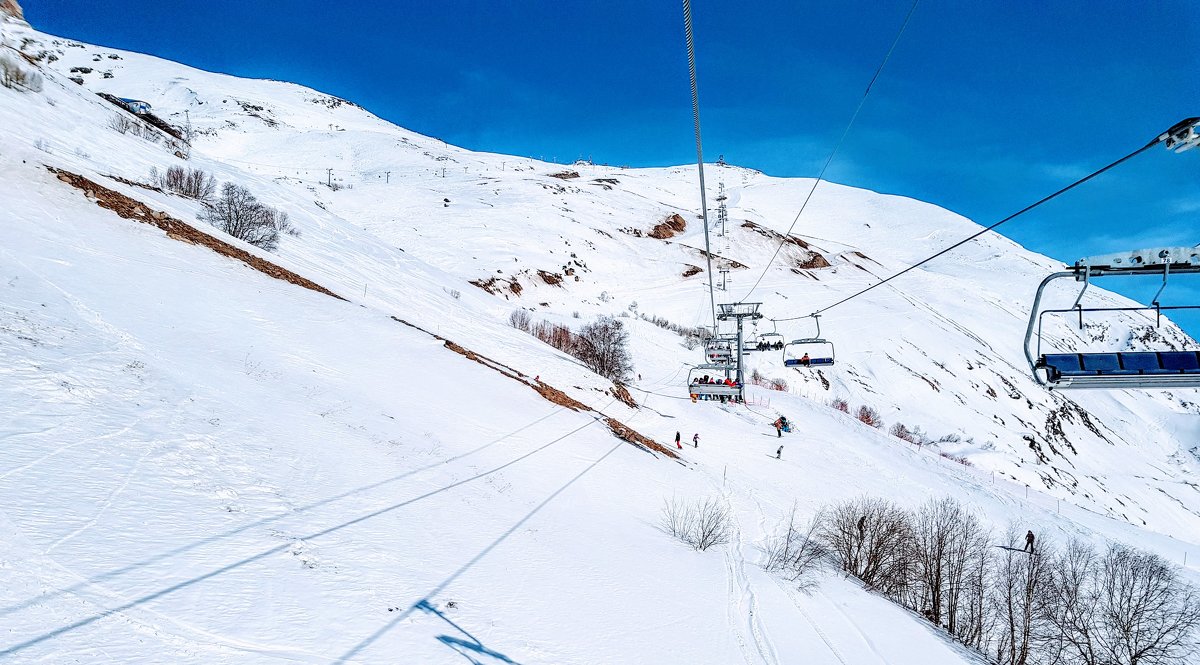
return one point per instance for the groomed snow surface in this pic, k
(201, 464)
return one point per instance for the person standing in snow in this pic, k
(696, 440)
(677, 441)
(1029, 542)
(779, 453)
(779, 427)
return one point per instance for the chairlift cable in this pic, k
(975, 235)
(691, 53)
(829, 160)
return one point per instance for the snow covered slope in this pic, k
(203, 464)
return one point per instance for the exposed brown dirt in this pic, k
(622, 393)
(692, 270)
(552, 394)
(551, 278)
(565, 175)
(626, 433)
(129, 208)
(669, 227)
(812, 262)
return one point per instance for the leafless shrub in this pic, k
(840, 404)
(955, 458)
(795, 550)
(43, 145)
(558, 336)
(520, 319)
(869, 416)
(778, 384)
(238, 213)
(192, 183)
(901, 431)
(121, 123)
(702, 524)
(14, 75)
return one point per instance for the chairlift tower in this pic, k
(722, 212)
(724, 280)
(739, 311)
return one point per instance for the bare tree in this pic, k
(949, 551)
(869, 537)
(1144, 613)
(1072, 596)
(1019, 587)
(604, 348)
(240, 215)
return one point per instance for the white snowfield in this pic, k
(202, 464)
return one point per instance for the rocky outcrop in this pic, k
(11, 8)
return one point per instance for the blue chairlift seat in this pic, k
(1135, 369)
(1185, 362)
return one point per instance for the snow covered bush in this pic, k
(192, 183)
(241, 215)
(14, 75)
(840, 404)
(702, 524)
(794, 550)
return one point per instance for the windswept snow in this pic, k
(203, 464)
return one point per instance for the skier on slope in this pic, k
(779, 453)
(677, 441)
(1029, 542)
(696, 440)
(779, 427)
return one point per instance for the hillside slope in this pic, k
(204, 464)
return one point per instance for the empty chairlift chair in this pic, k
(1126, 369)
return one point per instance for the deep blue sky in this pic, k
(984, 107)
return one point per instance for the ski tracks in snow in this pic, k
(742, 608)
